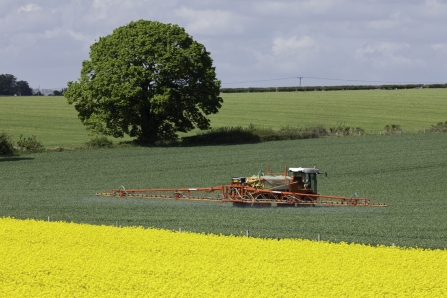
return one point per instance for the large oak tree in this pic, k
(148, 80)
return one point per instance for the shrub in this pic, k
(222, 135)
(258, 133)
(297, 133)
(343, 130)
(392, 129)
(6, 146)
(29, 143)
(436, 86)
(440, 127)
(264, 133)
(99, 142)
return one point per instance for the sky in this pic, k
(252, 43)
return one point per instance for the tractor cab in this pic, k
(305, 178)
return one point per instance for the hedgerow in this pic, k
(6, 146)
(259, 133)
(440, 127)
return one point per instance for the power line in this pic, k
(261, 81)
(366, 81)
(331, 79)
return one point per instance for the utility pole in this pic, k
(300, 80)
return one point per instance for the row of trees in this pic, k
(330, 88)
(10, 86)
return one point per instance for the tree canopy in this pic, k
(10, 86)
(148, 80)
(23, 88)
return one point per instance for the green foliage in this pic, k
(343, 130)
(100, 142)
(29, 143)
(440, 127)
(297, 133)
(263, 132)
(222, 135)
(392, 129)
(23, 88)
(436, 86)
(148, 80)
(291, 133)
(10, 86)
(402, 86)
(59, 93)
(254, 134)
(6, 146)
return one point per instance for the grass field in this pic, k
(55, 123)
(408, 171)
(49, 118)
(369, 109)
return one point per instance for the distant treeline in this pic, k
(331, 88)
(10, 86)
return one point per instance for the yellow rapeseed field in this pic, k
(56, 259)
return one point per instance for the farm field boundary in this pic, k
(331, 88)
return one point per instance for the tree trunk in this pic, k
(149, 127)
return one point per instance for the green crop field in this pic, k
(49, 118)
(371, 110)
(55, 123)
(408, 171)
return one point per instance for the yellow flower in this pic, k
(77, 260)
